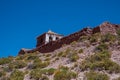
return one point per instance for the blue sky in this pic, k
(21, 21)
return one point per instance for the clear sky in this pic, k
(21, 21)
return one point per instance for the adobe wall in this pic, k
(51, 46)
(96, 29)
(39, 40)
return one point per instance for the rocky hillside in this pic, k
(94, 57)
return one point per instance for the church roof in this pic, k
(49, 32)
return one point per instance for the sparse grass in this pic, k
(17, 75)
(113, 67)
(63, 68)
(67, 50)
(32, 57)
(48, 55)
(80, 51)
(83, 38)
(73, 56)
(102, 47)
(51, 71)
(28, 57)
(17, 64)
(21, 57)
(73, 43)
(108, 37)
(4, 78)
(5, 60)
(2, 73)
(119, 42)
(26, 72)
(9, 68)
(40, 64)
(100, 61)
(44, 78)
(96, 76)
(47, 59)
(75, 65)
(64, 73)
(20, 64)
(97, 35)
(57, 58)
(93, 39)
(64, 53)
(37, 74)
(60, 54)
(117, 78)
(118, 33)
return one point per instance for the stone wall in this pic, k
(53, 45)
(41, 40)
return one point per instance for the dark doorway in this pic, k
(57, 38)
(50, 38)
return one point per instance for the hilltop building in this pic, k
(48, 37)
(51, 41)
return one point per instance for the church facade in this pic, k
(48, 37)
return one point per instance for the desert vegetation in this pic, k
(63, 73)
(17, 75)
(96, 76)
(90, 56)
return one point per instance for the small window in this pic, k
(50, 38)
(57, 38)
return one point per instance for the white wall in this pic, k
(53, 36)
